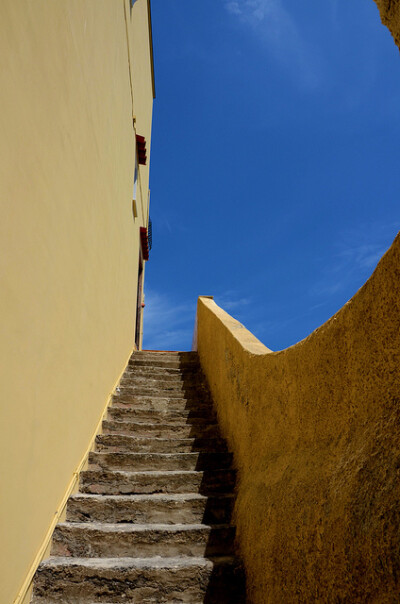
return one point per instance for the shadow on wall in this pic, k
(315, 431)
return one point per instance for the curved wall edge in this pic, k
(315, 431)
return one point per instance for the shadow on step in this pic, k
(227, 582)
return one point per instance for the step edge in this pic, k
(151, 562)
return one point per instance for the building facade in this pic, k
(76, 94)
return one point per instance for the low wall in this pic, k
(390, 16)
(315, 430)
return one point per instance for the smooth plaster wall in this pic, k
(69, 245)
(315, 430)
(142, 89)
(390, 16)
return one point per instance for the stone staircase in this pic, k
(151, 521)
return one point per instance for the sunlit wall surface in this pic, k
(73, 76)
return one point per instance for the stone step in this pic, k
(127, 443)
(168, 380)
(183, 355)
(160, 383)
(121, 412)
(151, 523)
(158, 508)
(184, 387)
(185, 580)
(172, 391)
(159, 461)
(202, 405)
(173, 431)
(157, 401)
(98, 539)
(159, 363)
(151, 355)
(155, 372)
(102, 482)
(161, 375)
(186, 356)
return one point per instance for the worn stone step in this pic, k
(159, 486)
(160, 416)
(155, 372)
(161, 430)
(99, 539)
(130, 443)
(186, 389)
(150, 355)
(171, 391)
(155, 399)
(136, 383)
(185, 580)
(192, 372)
(157, 508)
(171, 363)
(102, 482)
(165, 405)
(180, 354)
(159, 461)
(159, 379)
(161, 401)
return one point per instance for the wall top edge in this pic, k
(153, 79)
(384, 279)
(245, 338)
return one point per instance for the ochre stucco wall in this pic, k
(390, 16)
(315, 430)
(69, 245)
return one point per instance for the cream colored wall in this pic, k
(69, 245)
(315, 431)
(142, 86)
(142, 89)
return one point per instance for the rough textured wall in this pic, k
(69, 245)
(316, 434)
(390, 15)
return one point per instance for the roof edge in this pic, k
(151, 48)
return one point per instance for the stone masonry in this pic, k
(152, 519)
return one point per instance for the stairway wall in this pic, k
(315, 430)
(390, 16)
(69, 245)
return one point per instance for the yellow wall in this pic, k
(390, 15)
(142, 87)
(315, 430)
(69, 244)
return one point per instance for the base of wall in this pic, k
(25, 593)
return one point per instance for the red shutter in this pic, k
(141, 147)
(145, 242)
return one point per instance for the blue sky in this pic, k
(274, 163)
